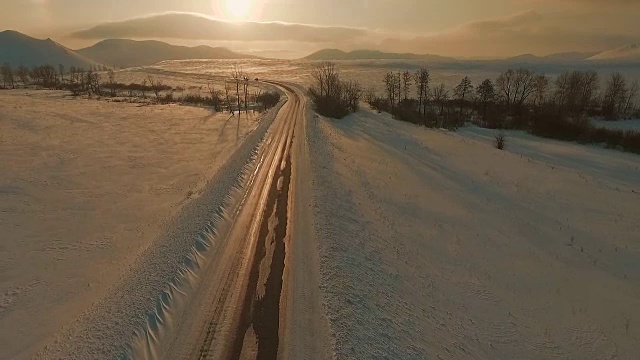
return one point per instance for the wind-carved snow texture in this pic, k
(435, 245)
(149, 341)
(136, 316)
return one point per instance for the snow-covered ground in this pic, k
(435, 245)
(625, 125)
(370, 73)
(86, 187)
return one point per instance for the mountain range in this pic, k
(335, 54)
(630, 53)
(17, 48)
(626, 53)
(559, 57)
(129, 53)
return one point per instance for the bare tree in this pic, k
(390, 86)
(92, 83)
(422, 84)
(406, 84)
(112, 82)
(23, 74)
(214, 96)
(441, 96)
(44, 75)
(156, 86)
(561, 94)
(462, 91)
(89, 81)
(256, 95)
(332, 96)
(541, 87)
(81, 80)
(486, 95)
(226, 91)
(398, 86)
(588, 89)
(524, 81)
(327, 80)
(317, 73)
(370, 96)
(246, 93)
(352, 94)
(7, 75)
(632, 95)
(615, 96)
(61, 69)
(144, 88)
(506, 86)
(515, 86)
(575, 91)
(238, 76)
(72, 75)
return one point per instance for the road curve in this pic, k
(235, 312)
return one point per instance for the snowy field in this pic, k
(85, 187)
(633, 125)
(370, 73)
(435, 245)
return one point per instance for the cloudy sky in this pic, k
(463, 28)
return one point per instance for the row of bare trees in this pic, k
(331, 95)
(557, 107)
(47, 75)
(512, 95)
(90, 82)
(572, 93)
(7, 76)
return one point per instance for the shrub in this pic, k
(268, 99)
(631, 142)
(198, 99)
(168, 98)
(500, 141)
(331, 96)
(556, 126)
(329, 106)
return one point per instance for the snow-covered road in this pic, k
(435, 245)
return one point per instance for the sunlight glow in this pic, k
(238, 9)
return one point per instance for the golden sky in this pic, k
(446, 27)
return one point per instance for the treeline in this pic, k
(332, 96)
(78, 81)
(557, 107)
(43, 75)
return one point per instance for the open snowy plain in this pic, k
(436, 245)
(402, 242)
(86, 187)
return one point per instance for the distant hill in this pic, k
(17, 48)
(128, 53)
(335, 54)
(570, 56)
(626, 53)
(559, 57)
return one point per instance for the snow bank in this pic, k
(633, 125)
(107, 213)
(435, 245)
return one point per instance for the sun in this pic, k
(238, 9)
